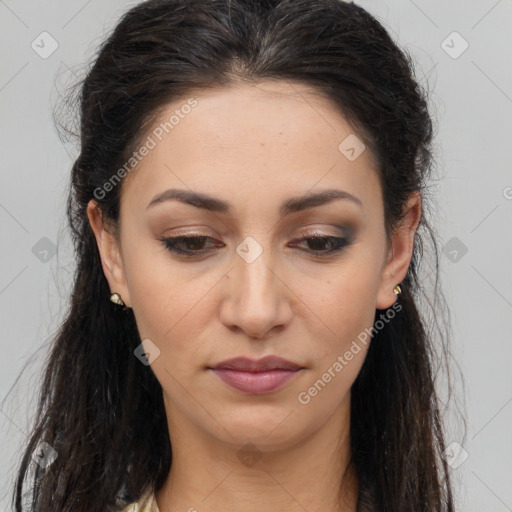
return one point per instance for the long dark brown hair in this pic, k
(102, 410)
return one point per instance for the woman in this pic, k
(249, 195)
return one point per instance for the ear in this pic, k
(108, 247)
(400, 252)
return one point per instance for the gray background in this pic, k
(472, 105)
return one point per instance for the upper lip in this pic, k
(267, 363)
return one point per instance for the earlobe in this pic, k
(400, 253)
(108, 248)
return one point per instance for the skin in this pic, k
(255, 146)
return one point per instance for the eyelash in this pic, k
(171, 244)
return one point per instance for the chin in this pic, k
(269, 430)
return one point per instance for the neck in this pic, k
(313, 475)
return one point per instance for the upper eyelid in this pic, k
(324, 231)
(314, 233)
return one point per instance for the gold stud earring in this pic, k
(116, 299)
(397, 289)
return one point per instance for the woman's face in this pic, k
(253, 284)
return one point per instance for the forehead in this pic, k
(238, 141)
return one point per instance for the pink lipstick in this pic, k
(256, 377)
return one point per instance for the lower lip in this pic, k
(256, 383)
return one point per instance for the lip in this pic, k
(256, 376)
(245, 364)
(255, 383)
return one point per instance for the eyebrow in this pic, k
(291, 205)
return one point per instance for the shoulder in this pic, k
(147, 503)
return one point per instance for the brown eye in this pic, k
(194, 245)
(324, 245)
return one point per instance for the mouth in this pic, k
(256, 377)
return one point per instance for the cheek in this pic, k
(159, 299)
(171, 308)
(346, 305)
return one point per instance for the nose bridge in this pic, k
(255, 301)
(253, 269)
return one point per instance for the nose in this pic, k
(256, 299)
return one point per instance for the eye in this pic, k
(324, 245)
(194, 245)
